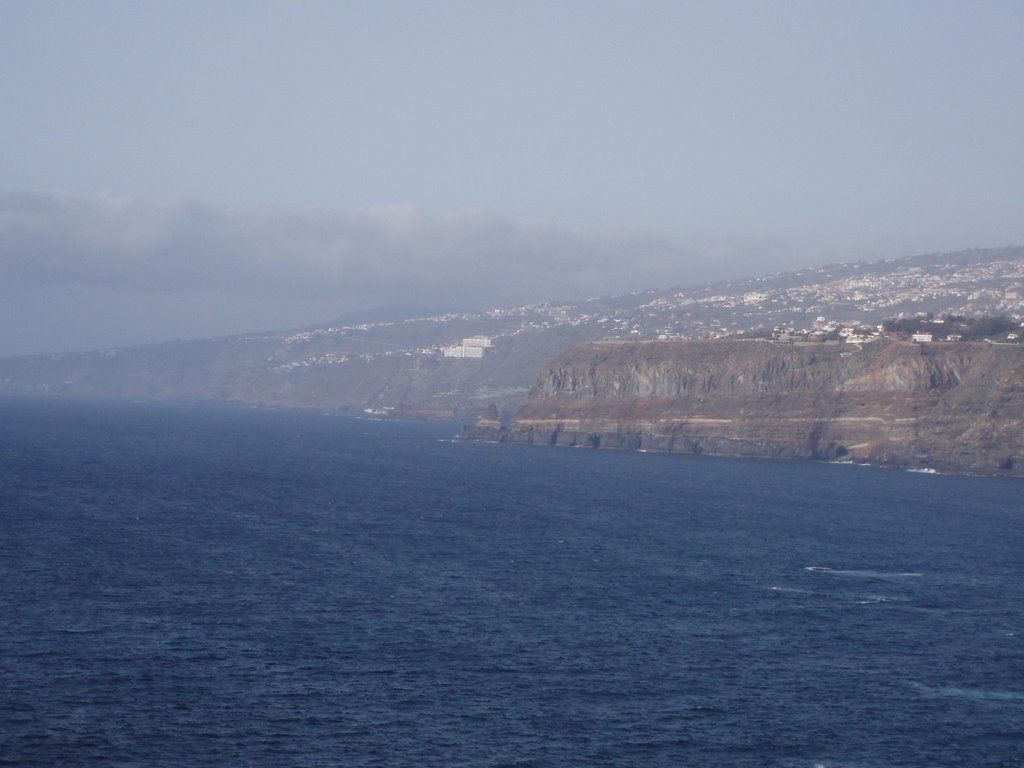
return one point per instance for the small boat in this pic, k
(818, 568)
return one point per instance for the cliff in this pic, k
(954, 407)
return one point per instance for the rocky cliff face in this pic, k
(946, 406)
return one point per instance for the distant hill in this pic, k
(389, 314)
(392, 362)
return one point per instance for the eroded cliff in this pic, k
(946, 406)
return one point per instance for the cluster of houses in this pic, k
(924, 337)
(823, 331)
(865, 334)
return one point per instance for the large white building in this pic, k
(471, 347)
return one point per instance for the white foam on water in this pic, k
(971, 694)
(879, 574)
(865, 574)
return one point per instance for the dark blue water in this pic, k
(216, 587)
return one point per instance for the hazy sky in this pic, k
(173, 169)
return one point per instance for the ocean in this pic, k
(194, 585)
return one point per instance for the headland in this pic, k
(949, 407)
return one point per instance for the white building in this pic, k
(472, 347)
(923, 338)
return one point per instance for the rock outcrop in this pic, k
(952, 407)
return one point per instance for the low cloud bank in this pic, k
(386, 255)
(82, 271)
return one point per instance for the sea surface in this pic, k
(207, 586)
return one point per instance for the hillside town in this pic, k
(849, 302)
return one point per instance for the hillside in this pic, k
(394, 364)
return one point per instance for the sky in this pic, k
(187, 169)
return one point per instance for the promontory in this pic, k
(942, 406)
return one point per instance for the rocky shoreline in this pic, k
(947, 407)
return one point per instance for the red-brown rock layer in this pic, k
(946, 406)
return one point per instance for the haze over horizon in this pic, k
(191, 169)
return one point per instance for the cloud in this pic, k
(82, 272)
(381, 255)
